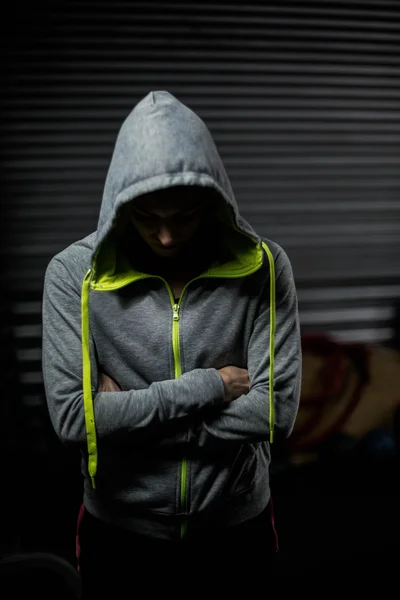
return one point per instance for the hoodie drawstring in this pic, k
(272, 328)
(87, 382)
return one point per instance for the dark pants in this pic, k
(116, 564)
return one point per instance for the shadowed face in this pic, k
(168, 219)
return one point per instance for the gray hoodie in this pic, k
(166, 452)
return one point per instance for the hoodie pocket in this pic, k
(243, 471)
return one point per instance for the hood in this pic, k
(163, 143)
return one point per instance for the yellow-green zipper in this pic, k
(178, 373)
(183, 508)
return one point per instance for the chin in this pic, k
(166, 252)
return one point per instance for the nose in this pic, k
(165, 236)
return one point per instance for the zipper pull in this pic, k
(176, 312)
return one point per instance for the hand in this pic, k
(107, 384)
(236, 382)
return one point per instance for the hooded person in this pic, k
(191, 320)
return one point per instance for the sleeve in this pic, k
(246, 419)
(133, 415)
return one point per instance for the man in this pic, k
(171, 358)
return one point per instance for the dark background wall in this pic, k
(303, 100)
